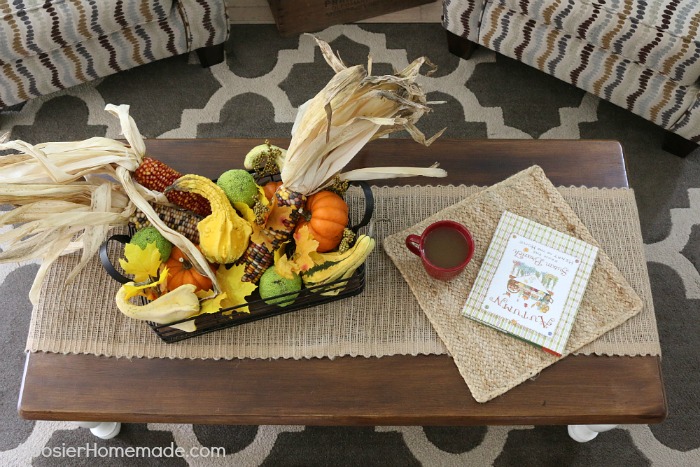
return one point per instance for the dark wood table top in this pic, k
(393, 390)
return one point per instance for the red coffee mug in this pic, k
(450, 238)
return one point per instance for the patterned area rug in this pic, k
(255, 93)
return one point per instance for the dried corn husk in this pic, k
(64, 161)
(68, 195)
(54, 218)
(135, 193)
(378, 173)
(353, 109)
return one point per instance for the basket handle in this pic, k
(107, 264)
(369, 205)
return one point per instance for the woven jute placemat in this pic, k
(386, 319)
(492, 362)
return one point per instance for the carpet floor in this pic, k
(255, 93)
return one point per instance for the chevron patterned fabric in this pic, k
(642, 55)
(49, 46)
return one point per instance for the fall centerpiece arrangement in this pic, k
(202, 246)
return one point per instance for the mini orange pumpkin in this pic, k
(327, 218)
(181, 271)
(269, 189)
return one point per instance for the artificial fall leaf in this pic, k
(306, 246)
(261, 236)
(302, 259)
(142, 264)
(213, 305)
(279, 218)
(236, 290)
(147, 289)
(203, 294)
(283, 265)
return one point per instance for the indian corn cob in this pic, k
(156, 175)
(284, 215)
(180, 220)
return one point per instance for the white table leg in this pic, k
(584, 433)
(103, 430)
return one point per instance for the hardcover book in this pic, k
(531, 282)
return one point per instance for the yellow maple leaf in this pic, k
(235, 289)
(262, 236)
(302, 258)
(279, 217)
(203, 294)
(212, 305)
(283, 265)
(145, 288)
(142, 264)
(306, 247)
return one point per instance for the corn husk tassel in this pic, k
(330, 129)
(68, 195)
(56, 219)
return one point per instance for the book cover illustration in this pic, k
(531, 282)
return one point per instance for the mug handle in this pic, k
(412, 243)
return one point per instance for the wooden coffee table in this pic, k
(394, 390)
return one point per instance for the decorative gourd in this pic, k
(327, 218)
(175, 305)
(181, 271)
(223, 235)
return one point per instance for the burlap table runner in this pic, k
(492, 362)
(386, 319)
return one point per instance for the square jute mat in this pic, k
(491, 362)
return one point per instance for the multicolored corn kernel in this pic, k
(180, 220)
(156, 175)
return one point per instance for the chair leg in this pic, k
(212, 55)
(460, 46)
(677, 145)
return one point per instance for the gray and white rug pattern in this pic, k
(255, 93)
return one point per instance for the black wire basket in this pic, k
(257, 307)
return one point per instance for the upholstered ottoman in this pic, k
(48, 46)
(642, 55)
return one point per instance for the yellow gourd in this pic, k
(223, 235)
(175, 305)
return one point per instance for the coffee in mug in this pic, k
(445, 248)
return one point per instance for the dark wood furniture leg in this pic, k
(212, 55)
(460, 46)
(677, 145)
